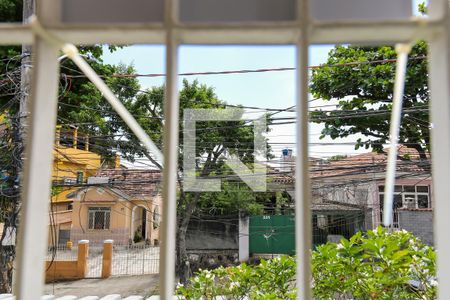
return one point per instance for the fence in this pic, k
(61, 252)
(126, 260)
(135, 260)
(65, 266)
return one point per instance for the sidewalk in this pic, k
(143, 285)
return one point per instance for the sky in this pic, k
(264, 90)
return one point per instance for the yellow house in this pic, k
(72, 164)
(125, 207)
(101, 213)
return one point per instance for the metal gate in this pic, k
(94, 262)
(135, 260)
(272, 234)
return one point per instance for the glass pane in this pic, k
(331, 10)
(409, 188)
(99, 220)
(107, 219)
(112, 11)
(398, 188)
(220, 11)
(422, 201)
(398, 201)
(381, 188)
(422, 189)
(91, 220)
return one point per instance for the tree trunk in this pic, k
(5, 282)
(421, 151)
(183, 267)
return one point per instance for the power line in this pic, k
(247, 71)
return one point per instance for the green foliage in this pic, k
(10, 11)
(423, 8)
(213, 140)
(233, 197)
(138, 235)
(337, 157)
(377, 265)
(364, 93)
(374, 265)
(273, 279)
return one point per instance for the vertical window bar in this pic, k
(171, 127)
(302, 188)
(32, 243)
(439, 66)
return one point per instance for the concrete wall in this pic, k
(419, 222)
(68, 270)
(213, 234)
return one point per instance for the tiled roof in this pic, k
(359, 166)
(134, 182)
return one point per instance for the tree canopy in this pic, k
(361, 81)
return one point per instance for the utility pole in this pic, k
(19, 131)
(25, 79)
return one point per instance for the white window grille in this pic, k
(299, 29)
(99, 217)
(406, 196)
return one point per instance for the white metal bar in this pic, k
(440, 149)
(170, 171)
(302, 186)
(169, 221)
(266, 33)
(396, 116)
(32, 244)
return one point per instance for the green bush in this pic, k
(138, 235)
(374, 265)
(271, 279)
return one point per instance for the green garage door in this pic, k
(272, 234)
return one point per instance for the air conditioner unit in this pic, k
(69, 181)
(98, 180)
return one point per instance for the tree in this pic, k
(361, 79)
(214, 140)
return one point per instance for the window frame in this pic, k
(403, 195)
(303, 32)
(93, 211)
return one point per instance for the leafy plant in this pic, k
(138, 235)
(375, 265)
(360, 81)
(271, 279)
